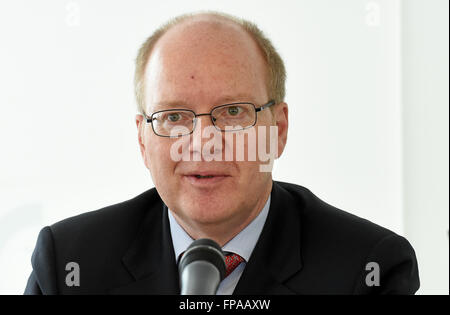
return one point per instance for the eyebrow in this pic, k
(171, 104)
(220, 101)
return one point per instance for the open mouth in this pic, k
(202, 180)
(197, 176)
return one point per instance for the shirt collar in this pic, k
(242, 244)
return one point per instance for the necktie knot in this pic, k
(231, 262)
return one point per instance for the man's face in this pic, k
(197, 66)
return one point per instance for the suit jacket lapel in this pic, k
(276, 256)
(151, 258)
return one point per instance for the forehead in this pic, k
(205, 61)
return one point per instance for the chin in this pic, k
(209, 214)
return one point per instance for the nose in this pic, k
(201, 124)
(205, 143)
(209, 117)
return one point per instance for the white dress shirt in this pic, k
(242, 244)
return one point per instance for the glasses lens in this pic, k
(234, 116)
(173, 123)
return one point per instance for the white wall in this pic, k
(426, 103)
(67, 110)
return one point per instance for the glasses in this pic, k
(175, 123)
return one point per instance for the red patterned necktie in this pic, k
(232, 261)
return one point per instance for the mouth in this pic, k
(207, 180)
(206, 176)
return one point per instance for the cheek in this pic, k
(266, 138)
(157, 156)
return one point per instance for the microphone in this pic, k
(201, 268)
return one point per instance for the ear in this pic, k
(140, 121)
(282, 122)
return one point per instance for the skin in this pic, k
(199, 64)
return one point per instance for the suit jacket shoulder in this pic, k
(340, 251)
(324, 217)
(96, 241)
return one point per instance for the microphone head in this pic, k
(206, 250)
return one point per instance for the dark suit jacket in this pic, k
(306, 247)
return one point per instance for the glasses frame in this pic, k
(149, 119)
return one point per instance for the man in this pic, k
(212, 74)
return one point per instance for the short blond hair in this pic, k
(275, 65)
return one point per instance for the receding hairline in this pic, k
(209, 18)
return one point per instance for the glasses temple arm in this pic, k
(271, 103)
(148, 119)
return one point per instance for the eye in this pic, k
(234, 110)
(174, 117)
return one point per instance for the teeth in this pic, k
(207, 176)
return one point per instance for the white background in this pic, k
(367, 92)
